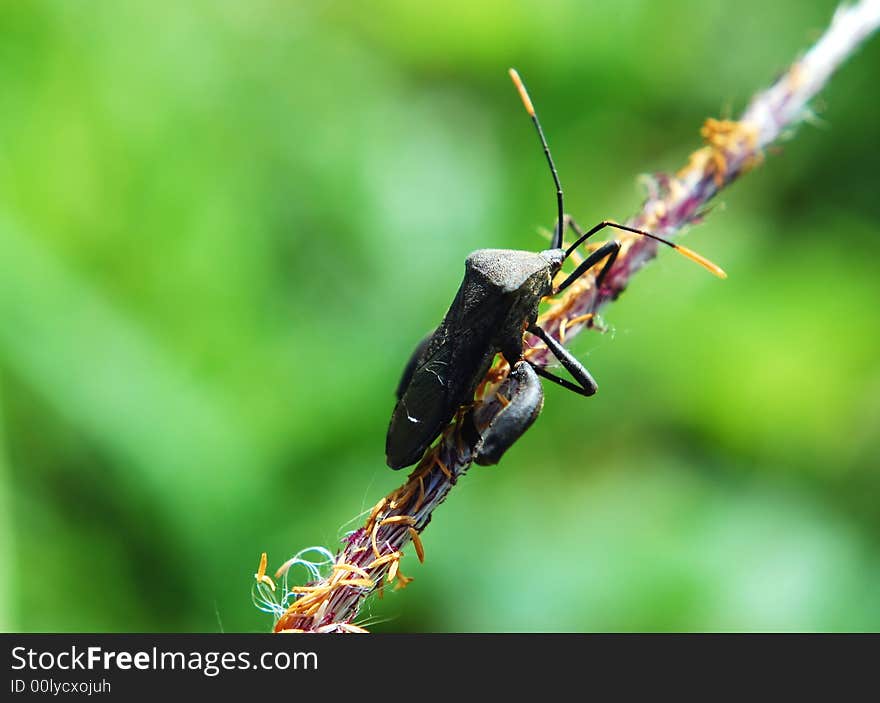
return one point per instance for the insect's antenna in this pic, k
(527, 102)
(684, 251)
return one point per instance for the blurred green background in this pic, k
(224, 225)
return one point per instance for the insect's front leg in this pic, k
(521, 405)
(586, 385)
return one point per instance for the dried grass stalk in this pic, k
(370, 557)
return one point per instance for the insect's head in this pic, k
(554, 258)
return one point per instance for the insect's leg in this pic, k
(410, 367)
(523, 406)
(611, 250)
(586, 385)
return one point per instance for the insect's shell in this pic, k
(496, 301)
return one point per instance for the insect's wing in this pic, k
(411, 365)
(445, 376)
(426, 404)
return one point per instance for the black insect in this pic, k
(495, 305)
